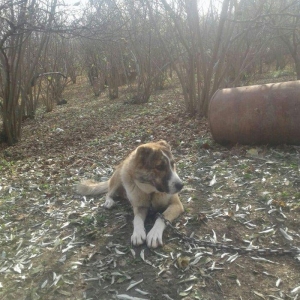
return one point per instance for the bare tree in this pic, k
(55, 70)
(150, 60)
(71, 58)
(221, 46)
(26, 28)
(201, 50)
(14, 33)
(285, 20)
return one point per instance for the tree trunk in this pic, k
(297, 66)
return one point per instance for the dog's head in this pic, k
(155, 168)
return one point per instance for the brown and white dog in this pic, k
(147, 177)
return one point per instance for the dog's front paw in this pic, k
(138, 237)
(109, 203)
(154, 237)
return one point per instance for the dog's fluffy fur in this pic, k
(147, 177)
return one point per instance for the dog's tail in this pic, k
(90, 187)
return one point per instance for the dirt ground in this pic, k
(56, 244)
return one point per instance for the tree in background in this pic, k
(16, 30)
(209, 45)
(25, 41)
(123, 48)
(284, 19)
(206, 46)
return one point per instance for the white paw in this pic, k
(109, 203)
(154, 237)
(139, 236)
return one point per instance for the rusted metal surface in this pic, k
(258, 114)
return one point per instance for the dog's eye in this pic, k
(160, 167)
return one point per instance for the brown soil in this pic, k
(58, 245)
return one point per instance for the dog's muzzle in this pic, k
(175, 184)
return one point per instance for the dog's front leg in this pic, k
(175, 208)
(139, 234)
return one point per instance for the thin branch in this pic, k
(33, 80)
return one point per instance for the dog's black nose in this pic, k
(178, 186)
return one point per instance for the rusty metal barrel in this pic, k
(258, 114)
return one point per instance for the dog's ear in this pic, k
(165, 144)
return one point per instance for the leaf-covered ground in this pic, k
(59, 245)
